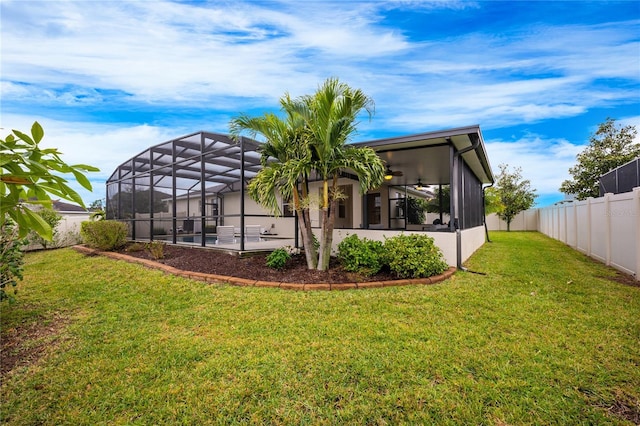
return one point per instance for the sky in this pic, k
(109, 79)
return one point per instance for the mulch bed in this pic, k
(254, 267)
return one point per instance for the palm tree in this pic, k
(330, 120)
(312, 138)
(286, 142)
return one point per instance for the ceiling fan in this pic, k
(389, 174)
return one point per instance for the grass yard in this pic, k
(545, 337)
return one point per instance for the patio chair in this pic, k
(252, 233)
(225, 235)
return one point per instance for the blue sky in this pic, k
(108, 79)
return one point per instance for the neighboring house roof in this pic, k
(61, 206)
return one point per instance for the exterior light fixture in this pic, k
(419, 185)
(388, 174)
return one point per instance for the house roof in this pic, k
(421, 156)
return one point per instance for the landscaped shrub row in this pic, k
(407, 256)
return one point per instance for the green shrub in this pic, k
(210, 229)
(156, 248)
(52, 218)
(11, 259)
(105, 235)
(413, 256)
(361, 256)
(278, 258)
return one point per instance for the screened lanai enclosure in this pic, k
(191, 189)
(182, 190)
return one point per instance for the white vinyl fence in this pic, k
(67, 231)
(605, 228)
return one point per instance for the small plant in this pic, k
(413, 256)
(156, 248)
(278, 258)
(134, 247)
(361, 256)
(105, 235)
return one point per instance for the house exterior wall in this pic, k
(471, 240)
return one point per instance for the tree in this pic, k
(29, 176)
(514, 193)
(609, 147)
(416, 208)
(443, 193)
(313, 139)
(330, 118)
(286, 142)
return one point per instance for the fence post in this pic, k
(589, 199)
(566, 224)
(607, 229)
(636, 213)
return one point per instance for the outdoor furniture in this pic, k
(252, 233)
(225, 235)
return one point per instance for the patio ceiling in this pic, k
(426, 156)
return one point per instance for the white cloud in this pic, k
(545, 162)
(100, 145)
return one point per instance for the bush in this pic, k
(278, 258)
(413, 256)
(11, 259)
(361, 256)
(52, 218)
(105, 235)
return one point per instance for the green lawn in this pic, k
(545, 337)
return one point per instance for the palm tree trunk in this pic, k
(328, 222)
(307, 241)
(307, 234)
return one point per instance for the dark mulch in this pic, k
(254, 267)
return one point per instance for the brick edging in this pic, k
(214, 278)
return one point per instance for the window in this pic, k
(374, 202)
(288, 209)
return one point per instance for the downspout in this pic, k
(456, 160)
(484, 212)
